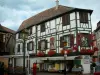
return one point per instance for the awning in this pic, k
(8, 56)
(58, 58)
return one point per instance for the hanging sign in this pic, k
(86, 59)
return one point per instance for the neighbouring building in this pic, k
(54, 32)
(7, 43)
(97, 33)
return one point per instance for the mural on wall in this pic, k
(52, 43)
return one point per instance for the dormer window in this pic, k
(83, 17)
(43, 27)
(66, 19)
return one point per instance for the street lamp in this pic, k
(24, 37)
(65, 55)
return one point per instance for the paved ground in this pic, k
(58, 74)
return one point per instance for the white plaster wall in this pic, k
(17, 36)
(19, 61)
(72, 16)
(52, 23)
(78, 15)
(59, 20)
(73, 23)
(33, 29)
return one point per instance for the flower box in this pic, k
(51, 52)
(40, 54)
(86, 52)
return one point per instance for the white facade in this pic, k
(54, 29)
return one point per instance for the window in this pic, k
(67, 41)
(66, 19)
(20, 35)
(30, 46)
(18, 48)
(43, 27)
(30, 31)
(83, 17)
(42, 45)
(85, 40)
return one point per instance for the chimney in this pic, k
(57, 4)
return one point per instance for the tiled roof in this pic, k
(5, 29)
(45, 15)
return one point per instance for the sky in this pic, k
(14, 12)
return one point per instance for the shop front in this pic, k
(56, 64)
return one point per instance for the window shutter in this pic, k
(43, 27)
(78, 39)
(39, 45)
(66, 19)
(46, 44)
(27, 46)
(32, 45)
(18, 48)
(71, 40)
(86, 17)
(61, 41)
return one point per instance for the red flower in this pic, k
(51, 52)
(95, 49)
(62, 52)
(40, 54)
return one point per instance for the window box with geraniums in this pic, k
(95, 49)
(63, 51)
(51, 52)
(40, 54)
(86, 51)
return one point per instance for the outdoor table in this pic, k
(77, 71)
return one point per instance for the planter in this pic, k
(87, 52)
(40, 54)
(95, 49)
(51, 52)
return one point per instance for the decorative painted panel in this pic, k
(52, 43)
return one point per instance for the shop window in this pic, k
(66, 19)
(83, 17)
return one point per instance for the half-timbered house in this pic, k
(53, 33)
(7, 44)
